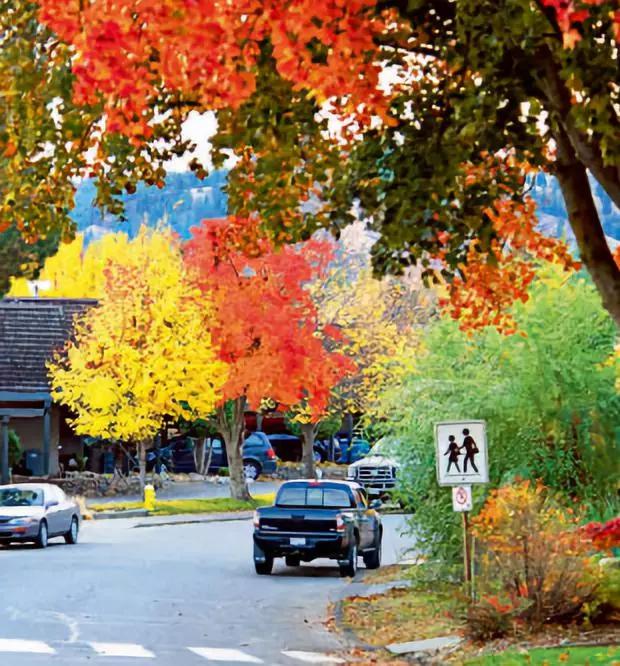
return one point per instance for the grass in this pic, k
(181, 506)
(577, 656)
(386, 574)
(402, 615)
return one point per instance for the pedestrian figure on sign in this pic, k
(471, 448)
(453, 450)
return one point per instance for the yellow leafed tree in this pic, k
(378, 319)
(144, 353)
(76, 271)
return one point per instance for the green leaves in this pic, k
(548, 398)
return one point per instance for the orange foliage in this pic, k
(206, 51)
(534, 554)
(265, 322)
(491, 281)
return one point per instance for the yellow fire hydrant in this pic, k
(149, 497)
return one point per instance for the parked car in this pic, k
(36, 513)
(376, 472)
(178, 456)
(289, 447)
(352, 450)
(313, 519)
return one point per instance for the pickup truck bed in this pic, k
(312, 519)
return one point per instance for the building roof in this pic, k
(31, 330)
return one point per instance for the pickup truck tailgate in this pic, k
(297, 520)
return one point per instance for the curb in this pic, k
(348, 634)
(201, 518)
(110, 515)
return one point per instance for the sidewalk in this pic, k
(190, 518)
(189, 490)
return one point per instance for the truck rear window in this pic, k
(314, 496)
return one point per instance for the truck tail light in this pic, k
(256, 520)
(339, 524)
(271, 454)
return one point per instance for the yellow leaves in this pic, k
(375, 319)
(146, 351)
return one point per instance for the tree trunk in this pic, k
(142, 464)
(230, 424)
(200, 455)
(586, 225)
(307, 456)
(209, 457)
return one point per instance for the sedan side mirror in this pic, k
(50, 504)
(376, 504)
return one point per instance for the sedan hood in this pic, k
(375, 461)
(21, 511)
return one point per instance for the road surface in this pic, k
(179, 595)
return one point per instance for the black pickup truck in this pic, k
(313, 519)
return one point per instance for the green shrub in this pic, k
(15, 449)
(548, 397)
(223, 471)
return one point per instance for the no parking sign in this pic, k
(461, 498)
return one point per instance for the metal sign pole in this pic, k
(466, 550)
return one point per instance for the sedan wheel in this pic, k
(72, 535)
(43, 536)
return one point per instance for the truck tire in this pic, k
(348, 567)
(292, 560)
(263, 563)
(372, 558)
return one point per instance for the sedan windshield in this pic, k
(21, 497)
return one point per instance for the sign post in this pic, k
(462, 460)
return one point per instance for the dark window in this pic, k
(20, 497)
(336, 498)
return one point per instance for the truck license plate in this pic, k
(298, 541)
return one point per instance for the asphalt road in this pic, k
(127, 595)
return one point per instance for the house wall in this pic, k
(30, 432)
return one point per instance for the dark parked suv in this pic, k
(258, 455)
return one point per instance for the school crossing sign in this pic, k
(461, 453)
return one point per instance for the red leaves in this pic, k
(265, 323)
(207, 50)
(570, 14)
(604, 536)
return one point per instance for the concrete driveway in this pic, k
(180, 595)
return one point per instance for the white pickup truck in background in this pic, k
(377, 472)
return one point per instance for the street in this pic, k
(178, 595)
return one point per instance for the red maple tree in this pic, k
(265, 324)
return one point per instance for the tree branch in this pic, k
(586, 149)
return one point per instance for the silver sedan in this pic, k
(37, 512)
